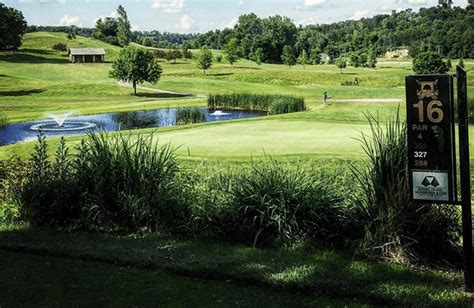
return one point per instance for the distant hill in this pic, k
(46, 40)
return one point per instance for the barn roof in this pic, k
(86, 51)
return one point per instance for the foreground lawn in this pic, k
(310, 271)
(52, 281)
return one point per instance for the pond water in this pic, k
(79, 125)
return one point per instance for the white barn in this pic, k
(86, 55)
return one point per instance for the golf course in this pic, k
(324, 142)
(44, 82)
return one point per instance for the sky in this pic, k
(192, 16)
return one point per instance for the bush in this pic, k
(273, 203)
(429, 63)
(12, 174)
(255, 102)
(60, 47)
(390, 225)
(186, 116)
(114, 182)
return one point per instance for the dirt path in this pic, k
(129, 85)
(361, 100)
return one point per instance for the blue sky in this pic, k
(202, 15)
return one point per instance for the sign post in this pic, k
(431, 142)
(465, 178)
(432, 149)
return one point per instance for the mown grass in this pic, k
(36, 80)
(61, 282)
(312, 271)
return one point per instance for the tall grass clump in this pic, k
(4, 120)
(274, 104)
(275, 204)
(186, 116)
(391, 226)
(114, 182)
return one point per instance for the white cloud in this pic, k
(169, 6)
(412, 2)
(186, 24)
(314, 2)
(241, 3)
(360, 14)
(69, 21)
(113, 14)
(42, 1)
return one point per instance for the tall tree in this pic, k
(303, 58)
(71, 33)
(258, 56)
(124, 32)
(341, 63)
(315, 56)
(12, 27)
(204, 59)
(288, 56)
(187, 54)
(136, 65)
(232, 51)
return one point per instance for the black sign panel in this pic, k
(431, 145)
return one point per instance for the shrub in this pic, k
(114, 182)
(255, 102)
(390, 225)
(12, 174)
(60, 47)
(277, 203)
(186, 116)
(429, 63)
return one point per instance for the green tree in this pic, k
(315, 56)
(136, 66)
(341, 63)
(303, 58)
(71, 33)
(232, 51)
(461, 63)
(147, 41)
(372, 59)
(186, 53)
(204, 59)
(219, 58)
(12, 28)
(288, 56)
(429, 63)
(124, 32)
(258, 56)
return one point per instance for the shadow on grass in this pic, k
(21, 92)
(220, 74)
(32, 56)
(309, 270)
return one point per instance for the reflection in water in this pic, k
(136, 120)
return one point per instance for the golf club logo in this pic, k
(430, 181)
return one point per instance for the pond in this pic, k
(79, 125)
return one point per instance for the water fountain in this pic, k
(59, 123)
(219, 113)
